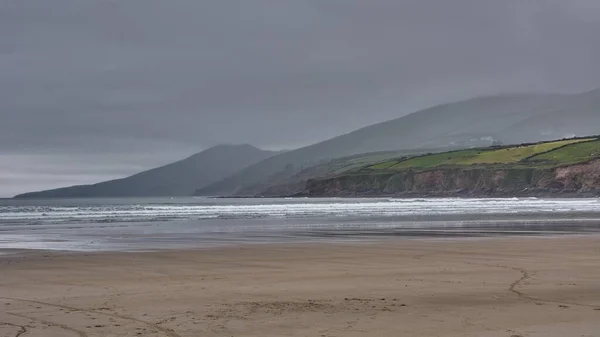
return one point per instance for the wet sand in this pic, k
(508, 286)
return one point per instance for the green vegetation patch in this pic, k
(549, 152)
(514, 154)
(574, 153)
(383, 166)
(432, 160)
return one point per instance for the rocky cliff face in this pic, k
(581, 179)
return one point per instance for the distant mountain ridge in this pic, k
(482, 121)
(180, 178)
(244, 170)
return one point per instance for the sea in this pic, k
(148, 224)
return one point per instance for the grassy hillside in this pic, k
(572, 154)
(554, 153)
(557, 168)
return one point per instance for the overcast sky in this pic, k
(97, 89)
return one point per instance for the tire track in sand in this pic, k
(165, 331)
(48, 323)
(526, 275)
(513, 287)
(22, 329)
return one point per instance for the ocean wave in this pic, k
(303, 209)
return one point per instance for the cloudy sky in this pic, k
(96, 89)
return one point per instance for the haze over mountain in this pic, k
(576, 115)
(481, 121)
(180, 178)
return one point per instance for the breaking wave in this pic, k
(301, 208)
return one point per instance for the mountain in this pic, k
(476, 122)
(577, 115)
(176, 179)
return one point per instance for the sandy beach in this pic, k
(511, 287)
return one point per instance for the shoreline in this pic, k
(370, 239)
(492, 287)
(464, 195)
(441, 195)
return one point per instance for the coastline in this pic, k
(508, 286)
(545, 194)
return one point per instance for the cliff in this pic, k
(580, 179)
(559, 168)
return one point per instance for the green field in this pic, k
(448, 158)
(554, 153)
(515, 154)
(575, 153)
(356, 162)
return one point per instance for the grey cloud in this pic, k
(112, 76)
